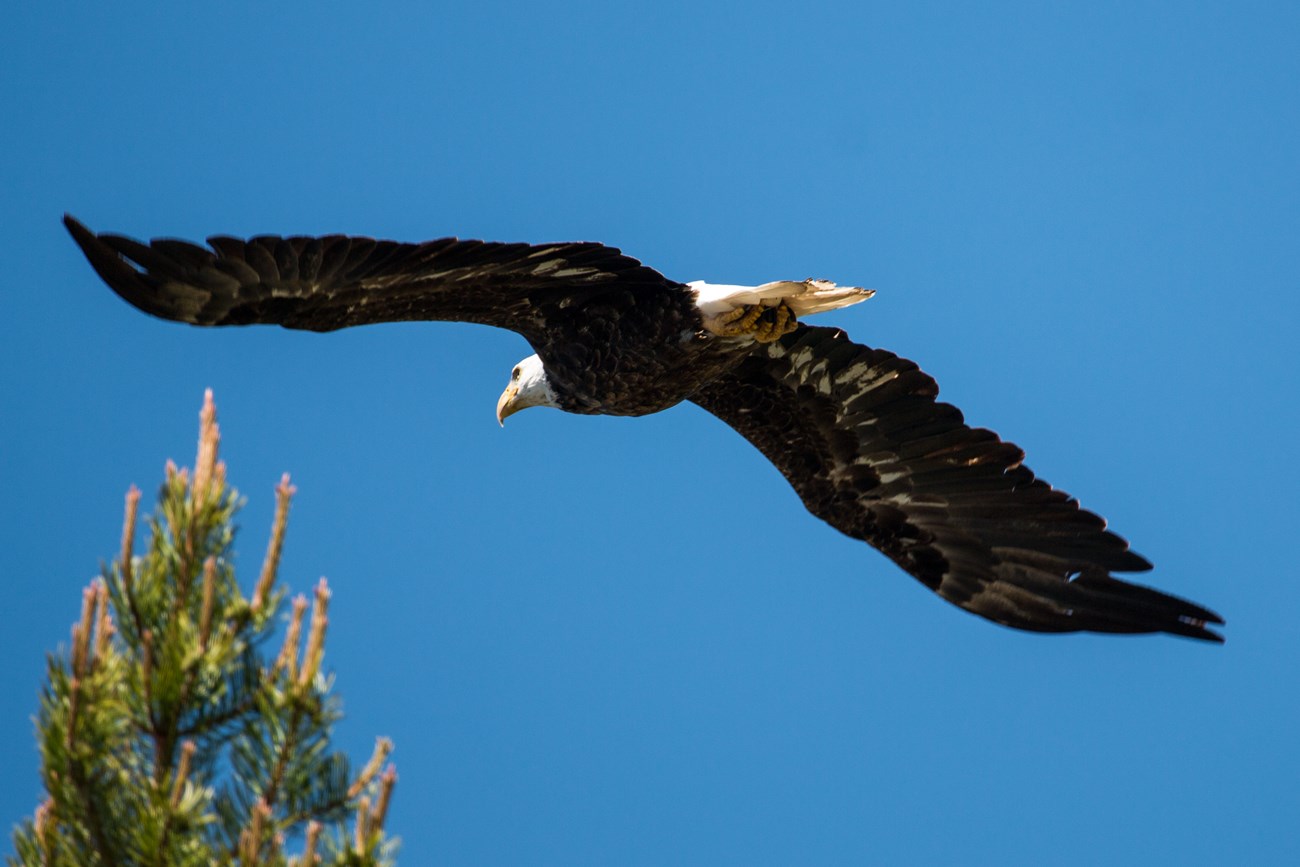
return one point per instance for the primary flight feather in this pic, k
(857, 431)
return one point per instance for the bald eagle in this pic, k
(856, 431)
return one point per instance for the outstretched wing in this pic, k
(331, 282)
(858, 433)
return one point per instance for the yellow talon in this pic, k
(738, 321)
(780, 323)
(730, 316)
(764, 324)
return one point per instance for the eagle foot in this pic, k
(764, 324)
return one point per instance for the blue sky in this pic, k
(623, 641)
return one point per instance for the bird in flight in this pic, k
(857, 431)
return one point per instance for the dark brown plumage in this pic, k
(857, 431)
(572, 301)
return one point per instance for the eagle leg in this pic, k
(765, 324)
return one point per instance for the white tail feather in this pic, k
(804, 297)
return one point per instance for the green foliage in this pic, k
(169, 737)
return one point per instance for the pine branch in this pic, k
(167, 736)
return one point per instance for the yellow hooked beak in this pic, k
(506, 405)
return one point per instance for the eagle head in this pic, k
(528, 387)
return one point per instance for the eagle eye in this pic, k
(514, 374)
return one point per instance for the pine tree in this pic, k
(168, 736)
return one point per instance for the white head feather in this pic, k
(528, 387)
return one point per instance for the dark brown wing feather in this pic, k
(858, 433)
(336, 281)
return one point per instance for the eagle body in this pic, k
(857, 431)
(636, 352)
